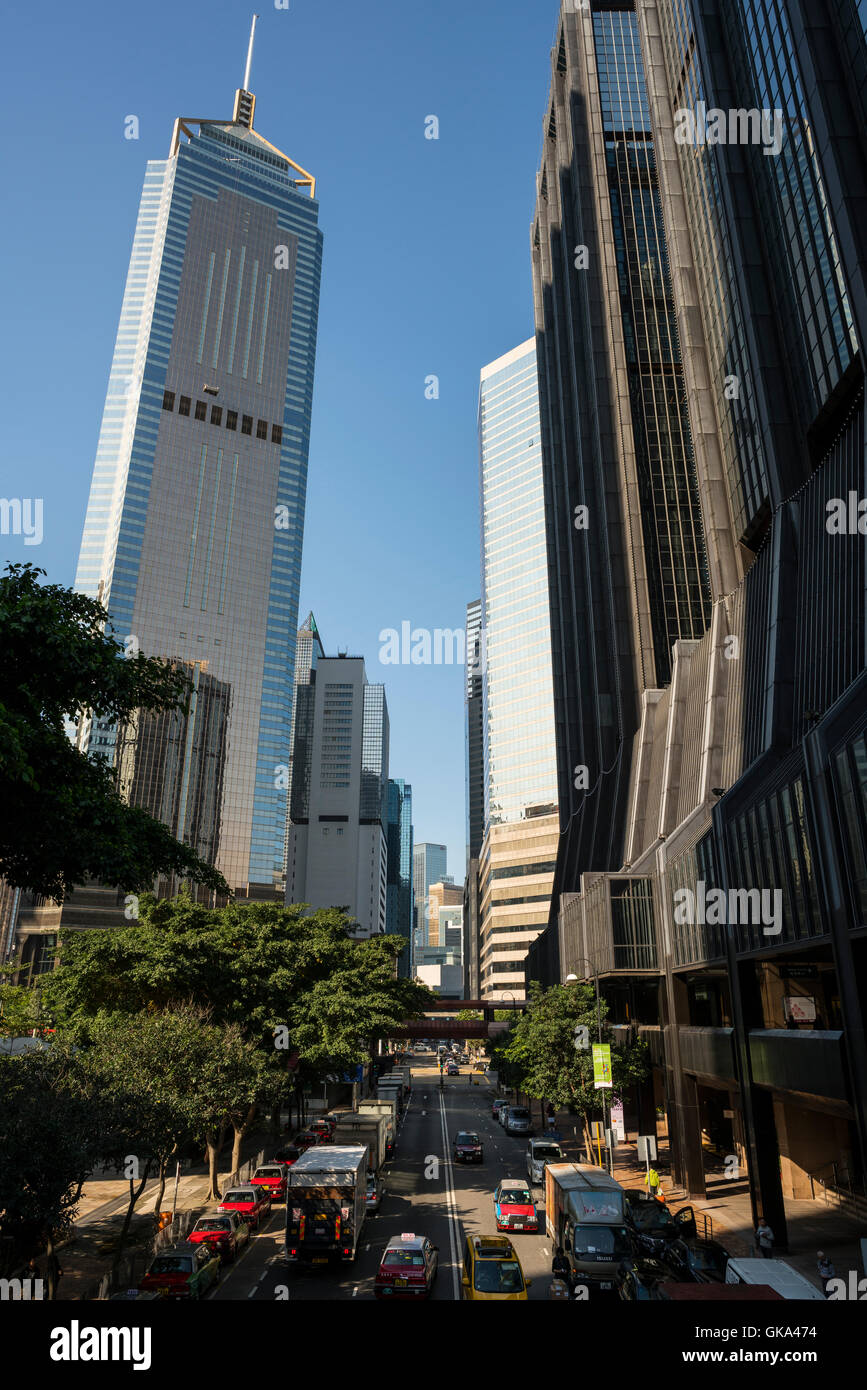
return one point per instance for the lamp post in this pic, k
(573, 979)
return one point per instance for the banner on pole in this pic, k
(601, 1066)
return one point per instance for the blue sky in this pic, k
(426, 271)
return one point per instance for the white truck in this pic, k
(366, 1128)
(325, 1204)
(387, 1106)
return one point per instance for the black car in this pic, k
(700, 1261)
(652, 1227)
(467, 1147)
(639, 1280)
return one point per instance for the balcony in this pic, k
(811, 1064)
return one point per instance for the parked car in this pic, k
(272, 1179)
(226, 1234)
(182, 1271)
(492, 1271)
(305, 1139)
(540, 1152)
(288, 1155)
(514, 1208)
(251, 1204)
(518, 1120)
(652, 1226)
(408, 1268)
(703, 1261)
(640, 1280)
(374, 1193)
(467, 1147)
(496, 1107)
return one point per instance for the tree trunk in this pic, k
(134, 1194)
(52, 1267)
(240, 1131)
(161, 1190)
(213, 1145)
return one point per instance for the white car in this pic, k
(374, 1194)
(539, 1153)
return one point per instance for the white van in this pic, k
(777, 1274)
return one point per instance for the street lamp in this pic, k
(571, 978)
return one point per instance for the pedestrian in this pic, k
(764, 1239)
(651, 1182)
(560, 1267)
(825, 1270)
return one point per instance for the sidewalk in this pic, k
(102, 1208)
(811, 1225)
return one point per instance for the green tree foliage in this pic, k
(61, 818)
(541, 1051)
(263, 967)
(51, 1136)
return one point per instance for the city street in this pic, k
(448, 1207)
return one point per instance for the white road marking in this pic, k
(451, 1201)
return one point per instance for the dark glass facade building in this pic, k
(746, 776)
(399, 898)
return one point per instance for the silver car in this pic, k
(539, 1153)
(517, 1120)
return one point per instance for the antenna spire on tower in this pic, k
(246, 82)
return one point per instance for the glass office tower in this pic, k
(429, 865)
(516, 859)
(195, 520)
(399, 899)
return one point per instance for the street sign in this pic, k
(602, 1066)
(617, 1121)
(647, 1148)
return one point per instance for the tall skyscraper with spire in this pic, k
(195, 520)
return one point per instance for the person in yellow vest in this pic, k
(651, 1182)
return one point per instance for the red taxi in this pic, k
(272, 1178)
(325, 1128)
(251, 1204)
(225, 1234)
(514, 1208)
(408, 1268)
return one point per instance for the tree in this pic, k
(550, 1051)
(288, 980)
(62, 820)
(51, 1137)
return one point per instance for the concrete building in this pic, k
(338, 846)
(714, 873)
(518, 849)
(193, 532)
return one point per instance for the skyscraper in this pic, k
(429, 864)
(625, 541)
(194, 525)
(337, 842)
(475, 792)
(521, 828)
(399, 896)
(744, 773)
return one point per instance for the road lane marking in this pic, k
(451, 1201)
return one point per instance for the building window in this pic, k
(276, 434)
(246, 424)
(184, 405)
(261, 429)
(201, 410)
(231, 419)
(216, 414)
(168, 400)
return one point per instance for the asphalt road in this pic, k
(425, 1193)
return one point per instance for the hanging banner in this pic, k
(617, 1122)
(601, 1066)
